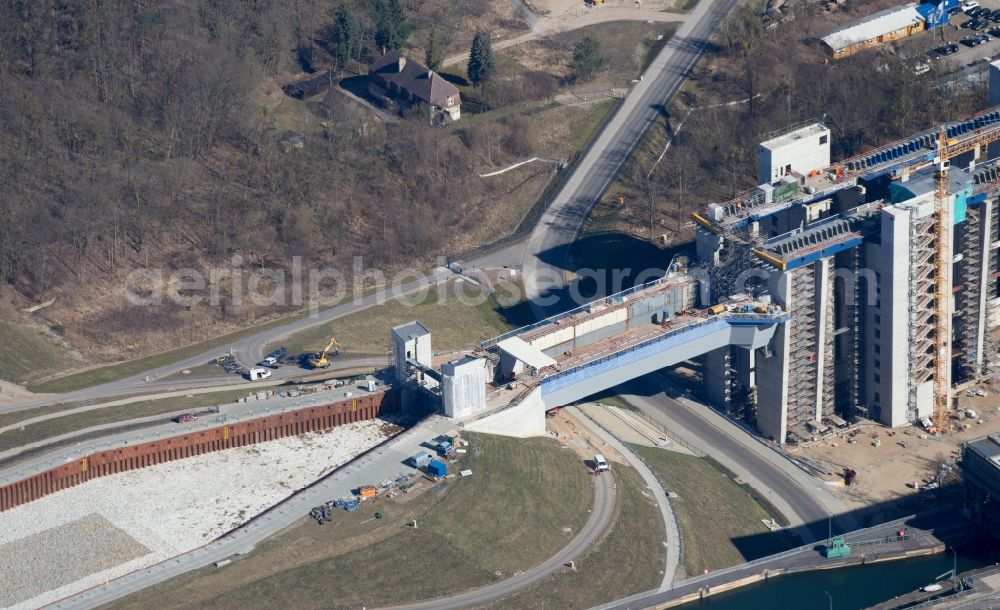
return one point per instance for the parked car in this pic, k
(186, 418)
(947, 49)
(982, 25)
(970, 5)
(270, 362)
(921, 69)
(968, 24)
(972, 42)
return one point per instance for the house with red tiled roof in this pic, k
(403, 80)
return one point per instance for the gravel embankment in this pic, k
(168, 509)
(97, 546)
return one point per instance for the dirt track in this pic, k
(576, 18)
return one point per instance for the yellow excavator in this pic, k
(320, 361)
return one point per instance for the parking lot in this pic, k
(954, 47)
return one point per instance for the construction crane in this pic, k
(942, 287)
(320, 361)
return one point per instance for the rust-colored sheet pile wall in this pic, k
(271, 427)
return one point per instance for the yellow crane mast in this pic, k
(942, 286)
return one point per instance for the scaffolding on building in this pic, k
(855, 332)
(920, 327)
(967, 300)
(735, 259)
(802, 346)
(828, 393)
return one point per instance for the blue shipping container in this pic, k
(437, 469)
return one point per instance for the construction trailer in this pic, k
(420, 460)
(887, 264)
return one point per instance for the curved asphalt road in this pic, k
(605, 491)
(801, 497)
(548, 246)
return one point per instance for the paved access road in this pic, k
(250, 350)
(799, 496)
(605, 491)
(671, 532)
(547, 250)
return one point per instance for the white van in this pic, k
(258, 374)
(600, 464)
(968, 6)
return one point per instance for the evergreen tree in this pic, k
(587, 60)
(391, 27)
(434, 54)
(346, 34)
(480, 59)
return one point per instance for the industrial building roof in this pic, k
(532, 356)
(411, 330)
(796, 134)
(873, 26)
(988, 447)
(451, 366)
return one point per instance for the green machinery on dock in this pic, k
(837, 548)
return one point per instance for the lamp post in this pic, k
(954, 567)
(829, 597)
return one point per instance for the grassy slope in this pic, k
(114, 372)
(452, 324)
(507, 516)
(629, 560)
(26, 353)
(711, 510)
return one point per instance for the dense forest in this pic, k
(138, 130)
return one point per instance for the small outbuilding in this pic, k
(873, 30)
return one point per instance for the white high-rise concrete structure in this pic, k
(411, 341)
